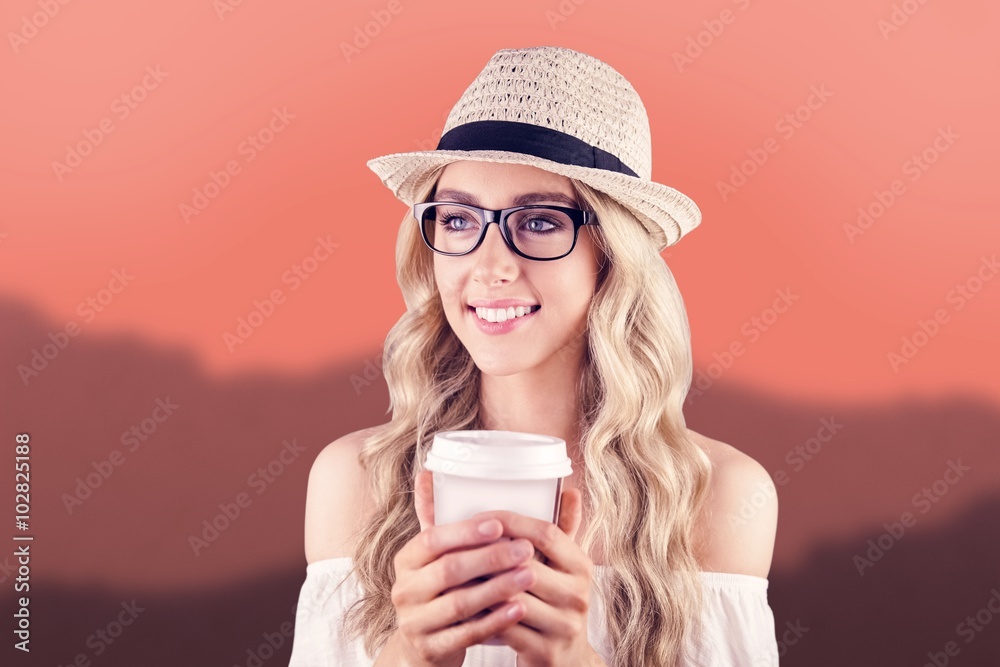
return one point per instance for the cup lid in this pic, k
(498, 455)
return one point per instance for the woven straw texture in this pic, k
(574, 93)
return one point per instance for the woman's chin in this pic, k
(498, 365)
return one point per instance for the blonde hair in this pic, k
(651, 478)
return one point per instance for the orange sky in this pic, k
(887, 101)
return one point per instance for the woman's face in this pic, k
(561, 290)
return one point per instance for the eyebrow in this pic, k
(460, 197)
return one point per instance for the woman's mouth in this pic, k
(503, 314)
(498, 321)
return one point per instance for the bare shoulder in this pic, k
(738, 525)
(336, 498)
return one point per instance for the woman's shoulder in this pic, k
(727, 459)
(351, 443)
(338, 461)
(738, 523)
(336, 497)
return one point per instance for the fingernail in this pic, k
(513, 611)
(488, 527)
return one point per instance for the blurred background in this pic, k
(197, 277)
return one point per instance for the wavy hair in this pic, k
(645, 478)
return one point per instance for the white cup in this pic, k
(481, 471)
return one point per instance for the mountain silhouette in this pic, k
(176, 498)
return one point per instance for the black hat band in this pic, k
(542, 142)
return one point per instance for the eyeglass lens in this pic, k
(537, 232)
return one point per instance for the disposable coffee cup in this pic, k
(482, 471)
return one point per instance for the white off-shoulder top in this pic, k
(739, 623)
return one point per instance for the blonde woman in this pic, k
(562, 320)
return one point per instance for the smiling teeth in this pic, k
(502, 315)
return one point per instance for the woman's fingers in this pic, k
(550, 598)
(461, 566)
(455, 583)
(462, 604)
(469, 567)
(571, 512)
(561, 552)
(436, 628)
(423, 498)
(478, 631)
(435, 541)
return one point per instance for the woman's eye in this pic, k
(457, 224)
(537, 225)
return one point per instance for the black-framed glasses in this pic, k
(538, 232)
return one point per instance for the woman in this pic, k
(652, 561)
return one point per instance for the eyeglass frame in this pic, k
(579, 218)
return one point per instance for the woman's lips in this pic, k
(495, 328)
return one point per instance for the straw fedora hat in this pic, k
(562, 111)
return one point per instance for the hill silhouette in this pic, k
(203, 444)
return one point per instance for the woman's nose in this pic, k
(494, 259)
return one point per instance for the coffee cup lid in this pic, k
(498, 455)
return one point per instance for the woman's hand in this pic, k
(434, 589)
(553, 632)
